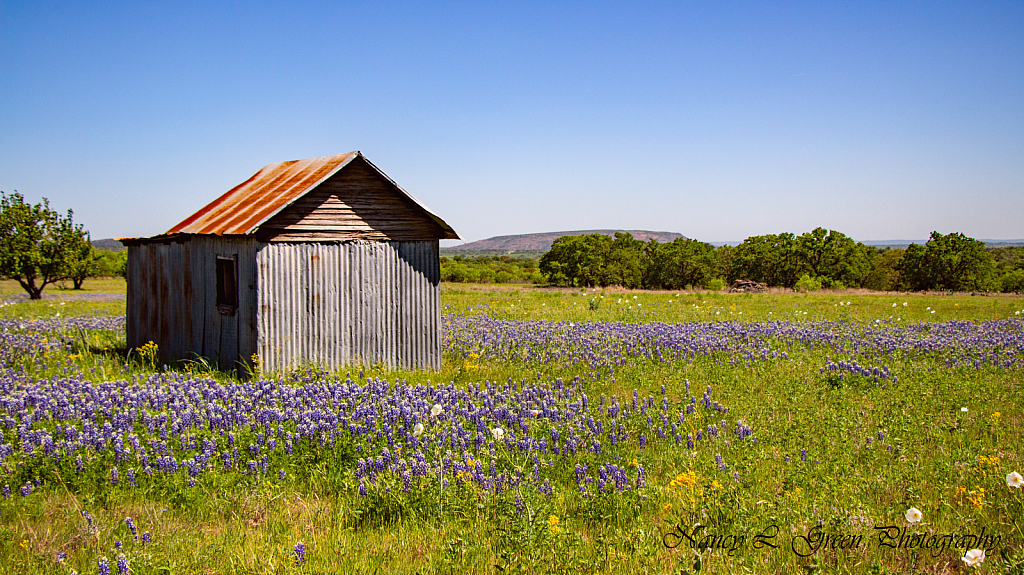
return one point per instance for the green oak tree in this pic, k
(951, 262)
(770, 259)
(38, 246)
(681, 263)
(833, 257)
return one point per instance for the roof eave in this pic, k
(449, 232)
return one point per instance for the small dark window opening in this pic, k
(227, 286)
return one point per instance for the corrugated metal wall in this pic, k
(338, 303)
(172, 300)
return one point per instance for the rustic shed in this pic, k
(321, 261)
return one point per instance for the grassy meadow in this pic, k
(568, 431)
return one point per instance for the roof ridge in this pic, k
(272, 189)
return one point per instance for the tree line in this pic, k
(817, 259)
(39, 247)
(490, 269)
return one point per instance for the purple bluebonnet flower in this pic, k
(131, 525)
(7, 491)
(803, 454)
(117, 545)
(300, 553)
(146, 538)
(122, 564)
(721, 465)
(545, 487)
(104, 566)
(115, 477)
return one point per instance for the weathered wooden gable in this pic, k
(356, 203)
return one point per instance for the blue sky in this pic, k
(715, 120)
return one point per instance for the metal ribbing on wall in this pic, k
(334, 304)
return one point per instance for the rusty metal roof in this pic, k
(242, 209)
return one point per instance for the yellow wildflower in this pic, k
(977, 496)
(688, 480)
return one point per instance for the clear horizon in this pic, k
(719, 122)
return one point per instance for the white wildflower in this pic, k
(974, 557)
(913, 515)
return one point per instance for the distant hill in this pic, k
(109, 244)
(902, 244)
(1003, 243)
(542, 242)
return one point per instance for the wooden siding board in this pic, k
(134, 302)
(160, 319)
(198, 300)
(178, 302)
(211, 317)
(245, 327)
(186, 299)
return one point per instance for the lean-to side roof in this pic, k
(241, 210)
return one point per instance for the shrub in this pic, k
(715, 284)
(807, 283)
(1012, 281)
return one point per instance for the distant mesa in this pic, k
(109, 244)
(542, 241)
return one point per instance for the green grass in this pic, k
(64, 288)
(644, 306)
(940, 456)
(67, 302)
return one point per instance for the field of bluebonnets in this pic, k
(610, 432)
